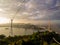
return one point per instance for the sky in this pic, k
(33, 11)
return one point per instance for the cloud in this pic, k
(58, 3)
(53, 14)
(31, 9)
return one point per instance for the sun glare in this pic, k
(4, 20)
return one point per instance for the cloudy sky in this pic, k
(30, 10)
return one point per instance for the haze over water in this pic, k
(16, 31)
(22, 31)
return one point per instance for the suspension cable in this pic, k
(13, 19)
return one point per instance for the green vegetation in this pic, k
(38, 38)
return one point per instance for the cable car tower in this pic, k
(12, 19)
(50, 30)
(49, 26)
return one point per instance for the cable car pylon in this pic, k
(50, 30)
(12, 19)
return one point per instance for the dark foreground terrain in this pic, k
(38, 38)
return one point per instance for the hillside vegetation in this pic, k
(38, 38)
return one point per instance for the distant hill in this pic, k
(20, 25)
(54, 27)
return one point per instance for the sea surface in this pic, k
(16, 31)
(22, 31)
